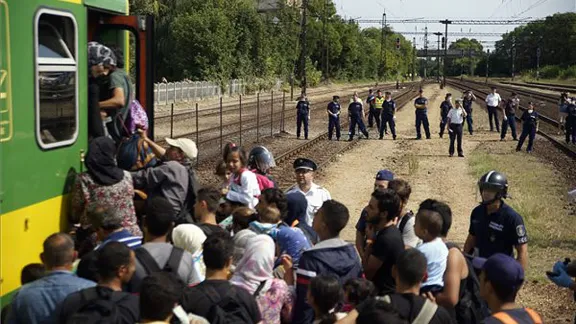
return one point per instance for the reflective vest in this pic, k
(379, 101)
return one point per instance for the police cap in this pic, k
(335, 97)
(304, 163)
(385, 175)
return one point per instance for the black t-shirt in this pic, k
(128, 305)
(210, 229)
(409, 306)
(355, 109)
(387, 247)
(195, 300)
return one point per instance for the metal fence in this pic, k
(183, 91)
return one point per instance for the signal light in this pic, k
(398, 43)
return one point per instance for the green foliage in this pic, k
(466, 64)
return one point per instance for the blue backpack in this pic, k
(135, 154)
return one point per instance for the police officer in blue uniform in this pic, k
(356, 115)
(494, 226)
(529, 128)
(303, 115)
(421, 105)
(469, 97)
(445, 107)
(334, 117)
(388, 115)
(509, 117)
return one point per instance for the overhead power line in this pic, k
(516, 21)
(461, 34)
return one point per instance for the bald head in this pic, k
(58, 251)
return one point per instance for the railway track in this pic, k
(323, 151)
(549, 126)
(544, 86)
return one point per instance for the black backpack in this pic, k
(404, 221)
(471, 308)
(151, 266)
(97, 308)
(227, 309)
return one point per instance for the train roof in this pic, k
(116, 6)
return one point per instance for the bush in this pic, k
(550, 71)
(568, 73)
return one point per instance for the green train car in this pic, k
(43, 112)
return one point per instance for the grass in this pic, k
(539, 195)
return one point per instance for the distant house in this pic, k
(267, 6)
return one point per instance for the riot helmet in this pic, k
(261, 159)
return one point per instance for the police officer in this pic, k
(303, 115)
(509, 117)
(445, 107)
(356, 115)
(469, 97)
(570, 125)
(388, 115)
(455, 121)
(421, 105)
(494, 226)
(378, 102)
(315, 194)
(333, 111)
(529, 128)
(371, 104)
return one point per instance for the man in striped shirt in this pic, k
(108, 226)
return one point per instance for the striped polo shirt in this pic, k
(122, 236)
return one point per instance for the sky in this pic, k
(451, 9)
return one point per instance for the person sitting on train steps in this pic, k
(106, 302)
(493, 100)
(174, 178)
(421, 105)
(103, 185)
(509, 118)
(529, 128)
(36, 302)
(157, 254)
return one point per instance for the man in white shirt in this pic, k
(455, 119)
(315, 194)
(492, 103)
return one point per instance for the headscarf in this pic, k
(190, 237)
(297, 208)
(101, 163)
(293, 242)
(100, 54)
(256, 265)
(240, 242)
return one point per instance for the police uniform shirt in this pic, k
(445, 107)
(355, 108)
(493, 100)
(389, 107)
(498, 232)
(334, 107)
(316, 196)
(379, 102)
(420, 103)
(529, 119)
(456, 115)
(303, 106)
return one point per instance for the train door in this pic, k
(135, 35)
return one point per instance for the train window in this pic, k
(56, 78)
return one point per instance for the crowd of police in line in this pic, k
(382, 109)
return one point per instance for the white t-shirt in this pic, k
(436, 254)
(456, 115)
(316, 196)
(244, 190)
(493, 99)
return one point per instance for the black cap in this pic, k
(335, 97)
(303, 163)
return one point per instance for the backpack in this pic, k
(151, 266)
(226, 310)
(426, 313)
(135, 154)
(404, 221)
(97, 308)
(186, 215)
(471, 308)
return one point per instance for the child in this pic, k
(241, 218)
(223, 174)
(428, 228)
(267, 222)
(529, 128)
(357, 290)
(323, 296)
(244, 186)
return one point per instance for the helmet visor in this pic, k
(264, 161)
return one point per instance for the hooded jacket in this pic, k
(296, 216)
(333, 256)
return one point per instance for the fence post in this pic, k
(283, 111)
(240, 119)
(271, 113)
(172, 121)
(197, 137)
(258, 117)
(166, 94)
(221, 125)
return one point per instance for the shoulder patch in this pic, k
(520, 230)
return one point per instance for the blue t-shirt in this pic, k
(303, 106)
(436, 254)
(445, 107)
(355, 109)
(420, 104)
(334, 107)
(529, 119)
(498, 232)
(389, 107)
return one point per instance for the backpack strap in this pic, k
(404, 221)
(174, 260)
(504, 318)
(533, 315)
(147, 261)
(260, 287)
(426, 313)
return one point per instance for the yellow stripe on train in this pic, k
(22, 233)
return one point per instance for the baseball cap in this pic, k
(386, 175)
(186, 145)
(501, 269)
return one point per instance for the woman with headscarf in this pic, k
(104, 185)
(296, 216)
(254, 273)
(190, 237)
(291, 241)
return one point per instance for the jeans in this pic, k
(443, 122)
(529, 132)
(493, 114)
(302, 118)
(374, 114)
(333, 122)
(469, 122)
(422, 119)
(510, 121)
(455, 134)
(357, 120)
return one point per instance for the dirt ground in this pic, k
(425, 164)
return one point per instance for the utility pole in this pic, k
(487, 65)
(513, 56)
(461, 64)
(413, 58)
(445, 22)
(426, 51)
(438, 56)
(470, 57)
(381, 70)
(324, 39)
(538, 53)
(304, 81)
